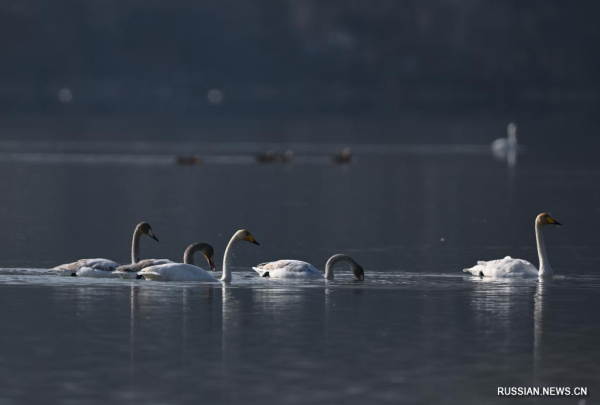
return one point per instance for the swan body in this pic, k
(176, 272)
(188, 271)
(300, 269)
(100, 268)
(509, 267)
(287, 269)
(504, 147)
(171, 271)
(130, 271)
(104, 268)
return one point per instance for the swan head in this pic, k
(146, 229)
(207, 251)
(243, 234)
(545, 219)
(358, 272)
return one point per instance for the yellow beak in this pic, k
(252, 240)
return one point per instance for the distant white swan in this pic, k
(103, 268)
(300, 269)
(189, 272)
(509, 267)
(503, 148)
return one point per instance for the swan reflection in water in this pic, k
(541, 290)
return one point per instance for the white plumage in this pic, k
(188, 271)
(176, 272)
(506, 148)
(507, 267)
(287, 269)
(300, 269)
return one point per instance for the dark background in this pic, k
(298, 57)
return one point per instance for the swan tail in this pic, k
(476, 270)
(151, 275)
(61, 272)
(261, 272)
(127, 275)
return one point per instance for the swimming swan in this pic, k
(189, 272)
(300, 269)
(103, 268)
(130, 271)
(509, 267)
(502, 147)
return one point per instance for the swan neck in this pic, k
(545, 269)
(188, 256)
(329, 275)
(227, 259)
(135, 246)
(512, 134)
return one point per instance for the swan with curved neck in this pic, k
(509, 267)
(300, 269)
(131, 271)
(188, 271)
(104, 268)
(143, 228)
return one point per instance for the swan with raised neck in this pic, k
(188, 271)
(143, 228)
(241, 235)
(104, 268)
(542, 220)
(509, 267)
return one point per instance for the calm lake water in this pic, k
(417, 330)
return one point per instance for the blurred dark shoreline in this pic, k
(382, 57)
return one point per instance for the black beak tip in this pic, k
(154, 237)
(557, 223)
(256, 243)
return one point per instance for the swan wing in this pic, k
(101, 264)
(176, 272)
(287, 269)
(507, 267)
(142, 264)
(69, 269)
(95, 273)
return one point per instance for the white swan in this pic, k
(300, 269)
(189, 272)
(502, 148)
(103, 268)
(509, 267)
(130, 271)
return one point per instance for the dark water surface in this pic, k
(417, 330)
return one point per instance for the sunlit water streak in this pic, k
(114, 147)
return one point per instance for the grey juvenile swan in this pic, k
(104, 268)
